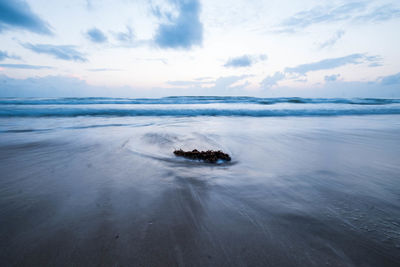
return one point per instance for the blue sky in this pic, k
(151, 48)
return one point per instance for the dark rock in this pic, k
(209, 156)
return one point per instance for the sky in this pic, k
(152, 48)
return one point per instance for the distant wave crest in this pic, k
(176, 100)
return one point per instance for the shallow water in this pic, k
(108, 191)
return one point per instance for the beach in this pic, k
(310, 183)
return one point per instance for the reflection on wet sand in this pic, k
(301, 194)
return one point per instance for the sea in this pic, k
(95, 182)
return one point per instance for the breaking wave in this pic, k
(195, 106)
(74, 112)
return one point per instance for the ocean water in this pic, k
(196, 106)
(94, 182)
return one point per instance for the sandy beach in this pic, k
(108, 191)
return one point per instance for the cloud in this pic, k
(375, 64)
(325, 64)
(62, 86)
(330, 42)
(381, 13)
(183, 31)
(128, 39)
(331, 78)
(375, 61)
(48, 86)
(320, 14)
(387, 86)
(341, 89)
(89, 5)
(391, 79)
(244, 61)
(354, 11)
(18, 14)
(24, 66)
(272, 79)
(65, 52)
(212, 85)
(96, 36)
(229, 80)
(226, 85)
(57, 86)
(5, 55)
(125, 37)
(332, 63)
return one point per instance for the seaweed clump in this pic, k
(209, 156)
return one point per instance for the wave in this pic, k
(75, 112)
(195, 100)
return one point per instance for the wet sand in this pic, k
(108, 192)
